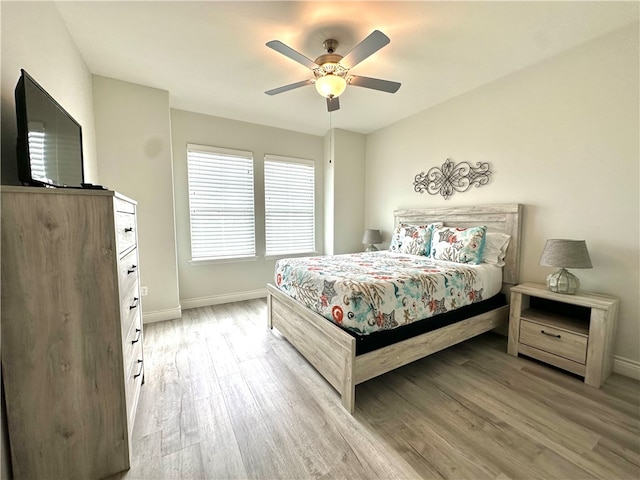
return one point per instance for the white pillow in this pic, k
(495, 248)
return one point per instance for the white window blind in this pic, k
(221, 203)
(289, 189)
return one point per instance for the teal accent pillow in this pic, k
(461, 245)
(412, 239)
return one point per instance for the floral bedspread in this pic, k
(368, 292)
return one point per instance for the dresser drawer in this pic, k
(131, 342)
(129, 308)
(558, 342)
(128, 270)
(124, 206)
(135, 374)
(125, 230)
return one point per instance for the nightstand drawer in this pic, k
(553, 340)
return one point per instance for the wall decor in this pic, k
(451, 178)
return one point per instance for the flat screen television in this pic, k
(49, 148)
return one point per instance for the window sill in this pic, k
(214, 261)
(290, 255)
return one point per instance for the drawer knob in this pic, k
(550, 334)
(138, 333)
(128, 229)
(132, 269)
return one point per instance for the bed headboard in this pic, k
(498, 218)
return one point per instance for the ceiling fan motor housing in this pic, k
(328, 63)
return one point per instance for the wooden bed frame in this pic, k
(332, 351)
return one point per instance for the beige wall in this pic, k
(329, 203)
(35, 39)
(134, 152)
(204, 284)
(344, 188)
(562, 139)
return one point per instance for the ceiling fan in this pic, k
(331, 71)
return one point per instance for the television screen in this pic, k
(49, 140)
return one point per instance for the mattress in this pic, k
(375, 291)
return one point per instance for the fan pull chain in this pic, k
(330, 140)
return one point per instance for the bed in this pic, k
(333, 351)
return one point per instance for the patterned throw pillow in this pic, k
(413, 239)
(461, 245)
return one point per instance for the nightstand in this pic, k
(572, 332)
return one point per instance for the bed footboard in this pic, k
(383, 360)
(330, 350)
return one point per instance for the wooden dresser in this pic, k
(72, 359)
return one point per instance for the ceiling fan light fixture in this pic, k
(330, 85)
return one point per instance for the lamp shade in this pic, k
(371, 237)
(566, 254)
(330, 85)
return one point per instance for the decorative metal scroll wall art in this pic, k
(451, 178)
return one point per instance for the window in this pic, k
(289, 190)
(221, 203)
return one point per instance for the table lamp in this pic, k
(565, 254)
(370, 238)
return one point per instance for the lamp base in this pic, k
(563, 282)
(371, 248)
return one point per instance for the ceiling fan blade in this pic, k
(286, 88)
(370, 45)
(374, 84)
(333, 104)
(287, 51)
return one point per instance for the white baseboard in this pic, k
(162, 315)
(225, 298)
(626, 367)
(173, 313)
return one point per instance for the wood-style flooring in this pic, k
(225, 397)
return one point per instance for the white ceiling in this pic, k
(212, 58)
